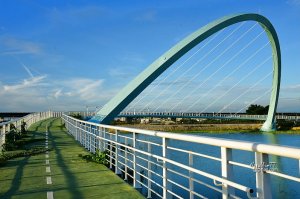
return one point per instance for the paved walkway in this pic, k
(60, 173)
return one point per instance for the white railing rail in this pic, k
(206, 115)
(135, 152)
(28, 119)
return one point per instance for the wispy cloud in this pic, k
(119, 73)
(149, 15)
(293, 2)
(14, 46)
(26, 83)
(88, 89)
(78, 14)
(41, 93)
(83, 90)
(27, 70)
(57, 93)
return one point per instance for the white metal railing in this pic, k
(206, 115)
(28, 119)
(135, 153)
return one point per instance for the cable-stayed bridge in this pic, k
(224, 66)
(177, 84)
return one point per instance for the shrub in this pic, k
(98, 157)
(23, 128)
(2, 161)
(16, 154)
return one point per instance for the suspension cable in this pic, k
(216, 58)
(163, 91)
(258, 66)
(246, 91)
(182, 64)
(200, 85)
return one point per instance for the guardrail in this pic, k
(28, 119)
(206, 115)
(148, 159)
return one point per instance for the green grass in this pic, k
(72, 177)
(296, 132)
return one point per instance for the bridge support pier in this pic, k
(269, 126)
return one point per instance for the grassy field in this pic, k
(72, 177)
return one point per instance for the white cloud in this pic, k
(40, 93)
(26, 83)
(58, 93)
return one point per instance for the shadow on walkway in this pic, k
(71, 180)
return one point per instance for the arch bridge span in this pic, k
(137, 85)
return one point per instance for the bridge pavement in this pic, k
(60, 173)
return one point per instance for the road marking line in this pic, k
(50, 195)
(49, 180)
(48, 170)
(46, 147)
(47, 162)
(47, 156)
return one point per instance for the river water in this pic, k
(280, 188)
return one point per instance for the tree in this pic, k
(255, 109)
(76, 115)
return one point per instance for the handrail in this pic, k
(28, 119)
(287, 151)
(123, 156)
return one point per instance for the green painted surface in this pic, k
(136, 86)
(71, 176)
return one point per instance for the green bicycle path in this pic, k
(72, 177)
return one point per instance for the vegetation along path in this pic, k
(59, 173)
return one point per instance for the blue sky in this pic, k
(64, 55)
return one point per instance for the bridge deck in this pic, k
(71, 177)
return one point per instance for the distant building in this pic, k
(121, 119)
(145, 121)
(178, 119)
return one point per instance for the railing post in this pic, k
(125, 169)
(105, 146)
(82, 135)
(227, 171)
(110, 151)
(191, 181)
(101, 148)
(89, 129)
(262, 178)
(135, 173)
(77, 130)
(79, 133)
(116, 153)
(164, 173)
(149, 171)
(95, 134)
(86, 137)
